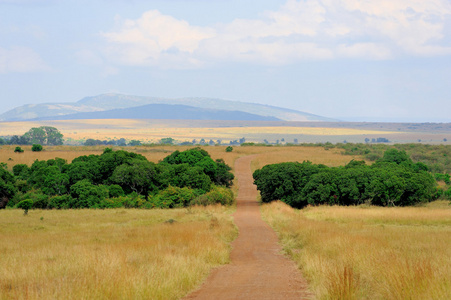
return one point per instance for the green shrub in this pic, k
(36, 148)
(25, 205)
(87, 195)
(134, 200)
(112, 202)
(229, 149)
(60, 202)
(218, 195)
(115, 191)
(173, 197)
(18, 150)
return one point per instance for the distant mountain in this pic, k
(107, 102)
(165, 111)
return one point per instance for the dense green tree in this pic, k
(134, 143)
(139, 176)
(218, 171)
(21, 171)
(167, 141)
(54, 137)
(55, 182)
(44, 135)
(115, 179)
(183, 175)
(396, 156)
(285, 181)
(223, 175)
(87, 195)
(36, 135)
(7, 186)
(393, 181)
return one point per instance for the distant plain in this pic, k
(151, 131)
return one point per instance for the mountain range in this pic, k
(118, 106)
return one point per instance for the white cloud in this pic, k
(154, 38)
(299, 30)
(21, 60)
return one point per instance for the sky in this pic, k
(354, 60)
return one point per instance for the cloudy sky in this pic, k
(374, 60)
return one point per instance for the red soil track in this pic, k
(257, 270)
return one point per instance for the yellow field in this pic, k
(344, 252)
(154, 130)
(111, 254)
(266, 155)
(369, 252)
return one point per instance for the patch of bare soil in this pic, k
(257, 270)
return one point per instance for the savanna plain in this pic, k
(357, 252)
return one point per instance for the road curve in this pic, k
(257, 269)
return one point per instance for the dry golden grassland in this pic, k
(154, 130)
(266, 155)
(369, 252)
(111, 254)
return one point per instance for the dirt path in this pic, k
(257, 270)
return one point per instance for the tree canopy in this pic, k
(114, 179)
(394, 180)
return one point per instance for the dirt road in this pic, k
(257, 270)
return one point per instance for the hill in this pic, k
(165, 111)
(110, 101)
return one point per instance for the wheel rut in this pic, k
(257, 270)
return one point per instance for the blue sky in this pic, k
(385, 60)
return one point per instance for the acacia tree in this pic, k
(44, 135)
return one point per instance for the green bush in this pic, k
(229, 149)
(60, 202)
(112, 202)
(25, 205)
(18, 150)
(87, 195)
(133, 200)
(36, 148)
(173, 197)
(115, 191)
(218, 195)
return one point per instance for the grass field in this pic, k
(151, 131)
(266, 155)
(369, 252)
(344, 252)
(111, 254)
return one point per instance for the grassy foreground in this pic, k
(111, 254)
(368, 252)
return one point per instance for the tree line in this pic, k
(118, 179)
(44, 135)
(393, 180)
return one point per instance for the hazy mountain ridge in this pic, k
(110, 101)
(165, 111)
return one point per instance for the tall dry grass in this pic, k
(317, 155)
(111, 254)
(368, 252)
(266, 155)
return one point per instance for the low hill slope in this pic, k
(165, 111)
